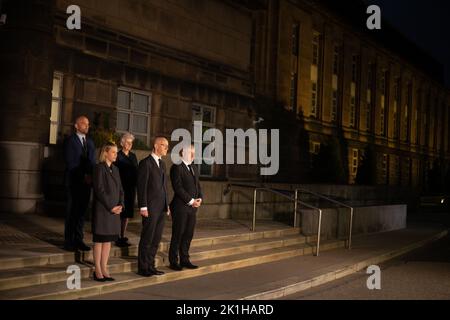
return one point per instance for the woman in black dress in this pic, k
(108, 204)
(128, 165)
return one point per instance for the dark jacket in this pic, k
(152, 185)
(78, 163)
(108, 193)
(185, 187)
(128, 166)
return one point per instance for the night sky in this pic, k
(424, 22)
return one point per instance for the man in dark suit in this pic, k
(187, 198)
(79, 154)
(153, 204)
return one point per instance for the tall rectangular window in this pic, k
(207, 115)
(384, 167)
(396, 102)
(315, 73)
(355, 161)
(384, 101)
(406, 116)
(295, 38)
(336, 60)
(334, 105)
(335, 83)
(55, 115)
(369, 96)
(133, 113)
(353, 91)
(314, 99)
(294, 66)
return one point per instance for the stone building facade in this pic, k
(153, 66)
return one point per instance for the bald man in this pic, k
(79, 154)
(153, 204)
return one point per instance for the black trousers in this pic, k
(183, 225)
(78, 197)
(152, 230)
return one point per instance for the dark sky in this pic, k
(425, 22)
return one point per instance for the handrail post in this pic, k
(254, 209)
(319, 225)
(295, 208)
(350, 229)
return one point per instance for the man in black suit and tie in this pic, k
(187, 198)
(79, 154)
(153, 204)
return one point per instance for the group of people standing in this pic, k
(115, 179)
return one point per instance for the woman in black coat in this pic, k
(108, 204)
(128, 166)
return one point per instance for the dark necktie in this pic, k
(191, 170)
(84, 145)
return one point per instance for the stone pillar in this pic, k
(26, 64)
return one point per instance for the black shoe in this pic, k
(99, 279)
(122, 243)
(176, 267)
(188, 265)
(145, 273)
(109, 278)
(83, 247)
(156, 271)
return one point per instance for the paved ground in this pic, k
(244, 282)
(421, 274)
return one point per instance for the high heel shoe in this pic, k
(109, 278)
(99, 279)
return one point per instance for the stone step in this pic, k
(68, 257)
(28, 276)
(130, 280)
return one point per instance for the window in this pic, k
(315, 71)
(295, 38)
(406, 113)
(369, 100)
(334, 105)
(293, 92)
(207, 115)
(354, 68)
(133, 113)
(355, 160)
(314, 100)
(334, 84)
(397, 98)
(384, 167)
(352, 111)
(314, 147)
(336, 60)
(55, 115)
(384, 95)
(316, 48)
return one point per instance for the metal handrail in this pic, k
(349, 245)
(278, 192)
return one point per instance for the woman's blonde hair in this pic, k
(105, 149)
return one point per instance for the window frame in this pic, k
(131, 111)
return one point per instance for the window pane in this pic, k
(139, 124)
(143, 139)
(123, 121)
(56, 87)
(140, 102)
(53, 133)
(54, 116)
(208, 115)
(196, 113)
(123, 99)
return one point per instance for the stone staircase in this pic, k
(44, 276)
